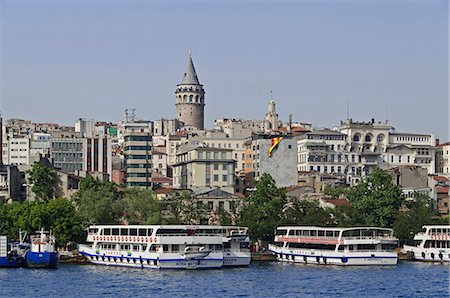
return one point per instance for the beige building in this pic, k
(443, 159)
(203, 167)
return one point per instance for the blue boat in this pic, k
(11, 253)
(42, 253)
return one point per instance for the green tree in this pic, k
(344, 216)
(97, 202)
(262, 211)
(376, 200)
(184, 208)
(414, 214)
(335, 192)
(65, 221)
(140, 206)
(302, 212)
(43, 180)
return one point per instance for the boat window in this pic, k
(366, 247)
(135, 247)
(298, 232)
(93, 230)
(281, 232)
(291, 232)
(312, 246)
(433, 231)
(154, 248)
(313, 233)
(438, 231)
(427, 244)
(149, 232)
(144, 247)
(321, 233)
(125, 247)
(244, 245)
(107, 232)
(133, 232)
(175, 248)
(143, 232)
(165, 247)
(226, 245)
(389, 247)
(329, 233)
(350, 247)
(115, 231)
(124, 232)
(341, 248)
(336, 234)
(219, 247)
(306, 233)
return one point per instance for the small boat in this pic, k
(11, 253)
(42, 253)
(195, 252)
(432, 245)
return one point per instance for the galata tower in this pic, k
(190, 98)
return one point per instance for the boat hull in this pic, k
(6, 262)
(41, 259)
(236, 259)
(152, 261)
(428, 254)
(335, 258)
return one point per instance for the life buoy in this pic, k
(146, 239)
(344, 260)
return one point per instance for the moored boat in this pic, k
(335, 246)
(432, 245)
(11, 254)
(42, 253)
(236, 246)
(155, 246)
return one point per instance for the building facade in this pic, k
(204, 167)
(137, 148)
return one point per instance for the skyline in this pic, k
(386, 60)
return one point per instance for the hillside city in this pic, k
(220, 166)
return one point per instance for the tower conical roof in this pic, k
(190, 76)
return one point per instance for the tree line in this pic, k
(375, 201)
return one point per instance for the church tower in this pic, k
(190, 98)
(271, 119)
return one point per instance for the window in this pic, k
(356, 137)
(133, 232)
(142, 232)
(221, 205)
(224, 178)
(216, 166)
(224, 167)
(216, 178)
(210, 205)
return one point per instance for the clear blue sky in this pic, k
(62, 60)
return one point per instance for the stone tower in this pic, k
(271, 119)
(190, 98)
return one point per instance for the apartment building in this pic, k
(204, 167)
(137, 149)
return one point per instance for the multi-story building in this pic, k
(443, 159)
(16, 150)
(376, 144)
(204, 167)
(410, 149)
(76, 154)
(323, 151)
(137, 149)
(281, 164)
(159, 161)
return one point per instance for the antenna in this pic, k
(348, 113)
(271, 94)
(386, 112)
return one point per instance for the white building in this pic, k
(443, 159)
(322, 151)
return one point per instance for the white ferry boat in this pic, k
(236, 246)
(431, 245)
(159, 246)
(335, 246)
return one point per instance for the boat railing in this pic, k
(369, 238)
(187, 235)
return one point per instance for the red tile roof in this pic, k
(163, 190)
(337, 202)
(440, 178)
(442, 189)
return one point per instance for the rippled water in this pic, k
(261, 279)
